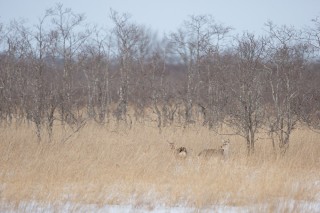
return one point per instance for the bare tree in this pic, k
(313, 34)
(213, 96)
(95, 59)
(311, 115)
(158, 68)
(286, 63)
(246, 109)
(192, 42)
(18, 86)
(129, 39)
(2, 73)
(23, 76)
(141, 77)
(2, 35)
(39, 52)
(70, 37)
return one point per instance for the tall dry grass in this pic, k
(116, 165)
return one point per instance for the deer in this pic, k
(222, 152)
(180, 153)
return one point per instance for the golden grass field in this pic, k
(116, 165)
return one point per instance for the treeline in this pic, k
(63, 70)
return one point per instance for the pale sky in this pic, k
(167, 15)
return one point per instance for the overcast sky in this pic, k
(167, 15)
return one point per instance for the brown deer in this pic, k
(223, 151)
(180, 152)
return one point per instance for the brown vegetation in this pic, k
(111, 165)
(85, 114)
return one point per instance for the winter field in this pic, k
(120, 169)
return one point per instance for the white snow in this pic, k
(283, 205)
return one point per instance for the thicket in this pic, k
(64, 71)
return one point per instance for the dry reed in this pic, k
(116, 165)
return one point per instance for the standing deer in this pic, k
(223, 151)
(180, 152)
